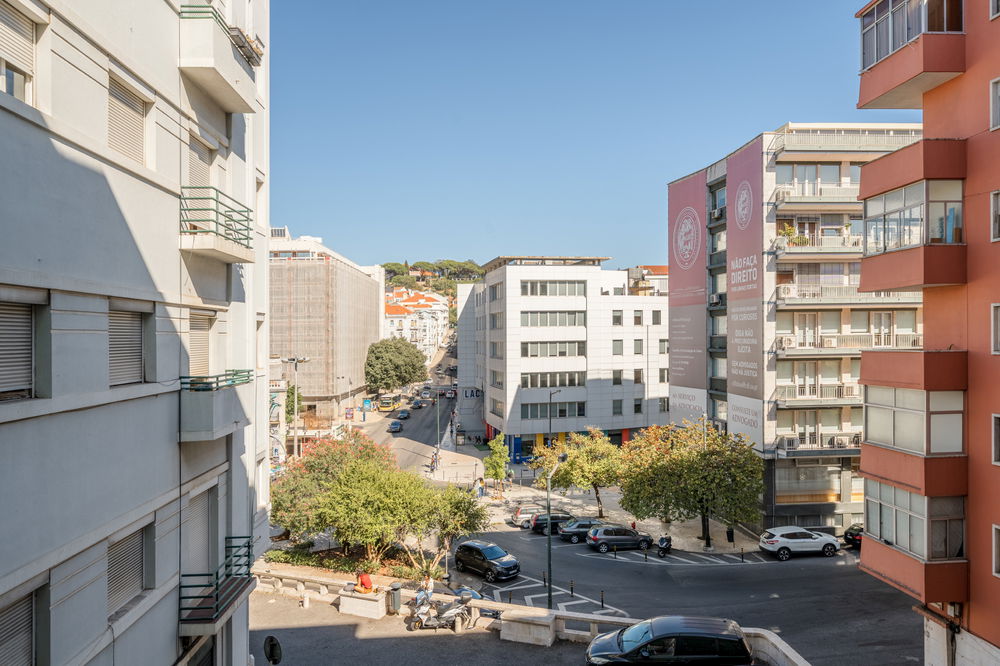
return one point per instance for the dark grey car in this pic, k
(576, 530)
(617, 537)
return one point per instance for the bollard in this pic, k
(645, 555)
(615, 551)
(305, 600)
(741, 555)
(602, 598)
(544, 580)
(571, 588)
(510, 597)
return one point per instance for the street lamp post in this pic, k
(548, 510)
(295, 360)
(551, 393)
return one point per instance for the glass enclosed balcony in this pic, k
(889, 25)
(924, 213)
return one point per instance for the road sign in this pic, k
(368, 405)
(349, 414)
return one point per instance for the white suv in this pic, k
(783, 541)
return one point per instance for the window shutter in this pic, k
(125, 570)
(125, 347)
(17, 643)
(126, 118)
(17, 38)
(196, 542)
(199, 163)
(198, 345)
(15, 347)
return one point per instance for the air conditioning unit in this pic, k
(787, 291)
(787, 342)
(829, 342)
(714, 299)
(842, 442)
(788, 443)
(717, 213)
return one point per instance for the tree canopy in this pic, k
(404, 280)
(393, 363)
(592, 461)
(393, 269)
(290, 396)
(495, 464)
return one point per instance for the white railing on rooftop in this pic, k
(853, 140)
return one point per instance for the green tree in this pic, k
(495, 464)
(470, 270)
(393, 363)
(424, 266)
(592, 461)
(290, 396)
(392, 269)
(297, 494)
(405, 281)
(452, 316)
(450, 513)
(445, 286)
(446, 267)
(680, 473)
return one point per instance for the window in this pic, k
(995, 104)
(553, 288)
(923, 422)
(616, 377)
(637, 317)
(996, 528)
(995, 213)
(664, 404)
(496, 291)
(570, 318)
(891, 24)
(125, 347)
(497, 407)
(496, 378)
(996, 439)
(829, 174)
(126, 570)
(552, 379)
(616, 317)
(200, 158)
(719, 198)
(548, 349)
(664, 375)
(637, 346)
(200, 327)
(17, 52)
(665, 344)
(617, 348)
(16, 362)
(657, 317)
(928, 212)
(855, 174)
(637, 376)
(496, 350)
(126, 121)
(995, 319)
(637, 406)
(560, 410)
(616, 408)
(994, 8)
(17, 629)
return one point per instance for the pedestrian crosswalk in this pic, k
(533, 592)
(683, 558)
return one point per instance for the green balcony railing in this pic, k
(206, 210)
(204, 597)
(216, 382)
(252, 49)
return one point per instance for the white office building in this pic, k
(133, 329)
(551, 345)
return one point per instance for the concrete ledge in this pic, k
(527, 627)
(771, 649)
(370, 605)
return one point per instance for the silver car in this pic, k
(783, 542)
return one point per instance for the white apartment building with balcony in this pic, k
(418, 317)
(785, 322)
(551, 345)
(133, 329)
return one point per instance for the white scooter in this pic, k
(445, 617)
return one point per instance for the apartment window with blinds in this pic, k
(665, 344)
(995, 213)
(616, 408)
(17, 52)
(616, 377)
(664, 404)
(16, 351)
(637, 346)
(125, 347)
(637, 376)
(664, 375)
(198, 338)
(126, 121)
(995, 104)
(17, 632)
(199, 163)
(657, 317)
(126, 570)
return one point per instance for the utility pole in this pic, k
(295, 360)
(548, 510)
(551, 393)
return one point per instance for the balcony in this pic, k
(207, 600)
(817, 395)
(908, 49)
(928, 581)
(933, 476)
(850, 344)
(215, 225)
(717, 259)
(820, 294)
(794, 246)
(833, 443)
(717, 384)
(215, 406)
(926, 370)
(838, 141)
(717, 343)
(219, 58)
(815, 193)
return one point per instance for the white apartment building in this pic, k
(133, 329)
(551, 345)
(418, 317)
(328, 309)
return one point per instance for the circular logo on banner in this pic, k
(744, 205)
(687, 238)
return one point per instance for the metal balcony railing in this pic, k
(819, 440)
(813, 242)
(790, 191)
(216, 382)
(817, 392)
(851, 341)
(251, 48)
(833, 140)
(207, 210)
(835, 292)
(204, 597)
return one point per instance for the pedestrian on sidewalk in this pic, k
(633, 524)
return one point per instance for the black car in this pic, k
(852, 535)
(576, 530)
(540, 522)
(488, 559)
(617, 537)
(403, 414)
(395, 426)
(675, 639)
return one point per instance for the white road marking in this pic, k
(563, 605)
(528, 598)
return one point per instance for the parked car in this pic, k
(522, 515)
(852, 535)
(403, 414)
(454, 384)
(607, 537)
(540, 522)
(425, 394)
(576, 530)
(449, 394)
(475, 594)
(782, 542)
(395, 426)
(674, 639)
(488, 559)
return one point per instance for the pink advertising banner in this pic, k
(687, 238)
(745, 290)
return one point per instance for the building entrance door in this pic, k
(806, 379)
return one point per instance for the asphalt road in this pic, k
(826, 608)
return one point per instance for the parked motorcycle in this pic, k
(445, 616)
(664, 545)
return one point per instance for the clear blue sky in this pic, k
(466, 129)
